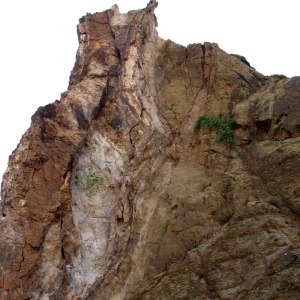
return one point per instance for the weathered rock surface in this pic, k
(112, 195)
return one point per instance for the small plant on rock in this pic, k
(279, 76)
(241, 58)
(224, 126)
(89, 182)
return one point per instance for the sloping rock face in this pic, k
(111, 194)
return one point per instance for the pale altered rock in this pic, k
(112, 195)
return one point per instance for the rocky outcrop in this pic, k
(111, 194)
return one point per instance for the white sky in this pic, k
(39, 42)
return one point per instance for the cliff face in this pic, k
(112, 195)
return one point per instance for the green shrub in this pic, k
(224, 127)
(279, 76)
(241, 58)
(274, 201)
(89, 182)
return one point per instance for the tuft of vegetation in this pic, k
(89, 183)
(225, 132)
(279, 76)
(242, 59)
(275, 202)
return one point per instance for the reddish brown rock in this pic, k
(111, 194)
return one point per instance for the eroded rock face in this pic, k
(112, 195)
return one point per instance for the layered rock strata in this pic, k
(111, 194)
